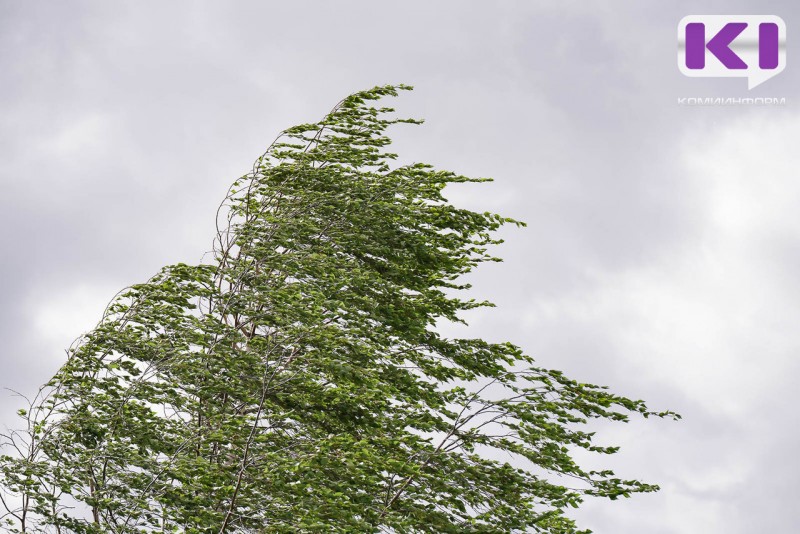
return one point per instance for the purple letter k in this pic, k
(718, 45)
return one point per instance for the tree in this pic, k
(298, 383)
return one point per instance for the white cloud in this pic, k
(711, 317)
(59, 316)
(86, 134)
(712, 320)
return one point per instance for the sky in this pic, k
(663, 239)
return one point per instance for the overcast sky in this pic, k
(663, 245)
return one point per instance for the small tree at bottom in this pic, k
(297, 382)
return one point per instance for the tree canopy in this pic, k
(298, 382)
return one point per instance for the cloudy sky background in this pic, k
(663, 245)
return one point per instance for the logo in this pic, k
(732, 46)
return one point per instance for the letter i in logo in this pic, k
(769, 45)
(748, 46)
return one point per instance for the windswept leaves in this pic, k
(297, 383)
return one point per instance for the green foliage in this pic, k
(297, 384)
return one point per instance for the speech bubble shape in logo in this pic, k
(732, 46)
